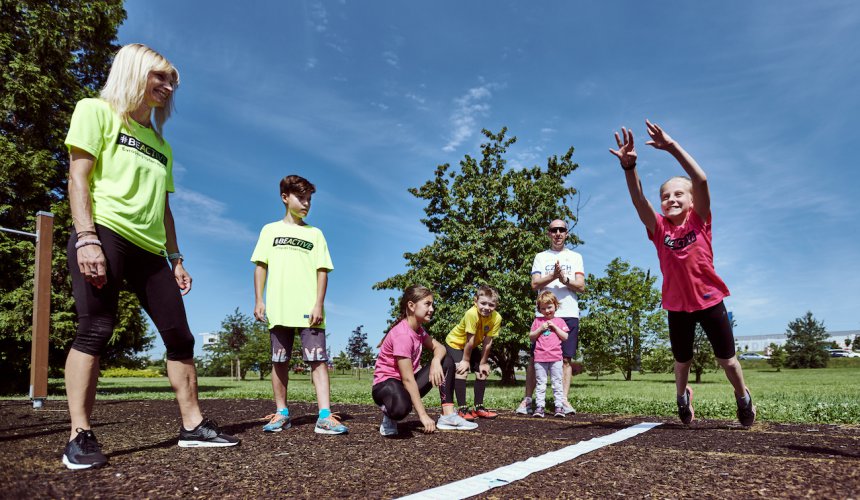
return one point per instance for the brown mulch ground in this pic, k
(711, 459)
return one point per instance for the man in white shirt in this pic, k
(559, 270)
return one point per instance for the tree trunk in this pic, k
(506, 360)
(698, 376)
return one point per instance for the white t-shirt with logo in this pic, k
(571, 264)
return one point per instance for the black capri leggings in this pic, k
(393, 397)
(148, 276)
(716, 324)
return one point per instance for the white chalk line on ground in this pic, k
(475, 485)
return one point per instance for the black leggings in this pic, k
(394, 398)
(148, 276)
(716, 324)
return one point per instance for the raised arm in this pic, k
(701, 193)
(626, 154)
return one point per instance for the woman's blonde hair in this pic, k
(126, 82)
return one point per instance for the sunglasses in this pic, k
(556, 230)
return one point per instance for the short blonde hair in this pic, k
(547, 297)
(689, 183)
(488, 292)
(125, 87)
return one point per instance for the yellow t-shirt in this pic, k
(292, 254)
(474, 323)
(132, 175)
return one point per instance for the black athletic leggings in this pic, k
(394, 398)
(716, 324)
(148, 276)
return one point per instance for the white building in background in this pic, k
(209, 338)
(760, 343)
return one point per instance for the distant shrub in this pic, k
(130, 372)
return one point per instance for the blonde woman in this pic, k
(120, 176)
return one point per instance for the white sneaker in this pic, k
(455, 422)
(568, 408)
(388, 427)
(525, 408)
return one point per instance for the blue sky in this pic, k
(365, 99)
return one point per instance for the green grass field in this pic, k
(828, 395)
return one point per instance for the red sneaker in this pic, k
(482, 412)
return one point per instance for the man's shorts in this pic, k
(313, 343)
(568, 347)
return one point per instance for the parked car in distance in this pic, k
(752, 355)
(842, 353)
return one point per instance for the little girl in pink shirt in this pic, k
(548, 333)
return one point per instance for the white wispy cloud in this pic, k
(468, 108)
(391, 58)
(318, 17)
(201, 214)
(311, 63)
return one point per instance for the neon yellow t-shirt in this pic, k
(132, 174)
(476, 324)
(293, 254)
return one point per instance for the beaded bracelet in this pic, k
(82, 243)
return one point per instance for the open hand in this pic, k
(659, 138)
(626, 153)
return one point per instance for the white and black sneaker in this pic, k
(84, 451)
(205, 435)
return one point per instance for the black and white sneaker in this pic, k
(84, 451)
(205, 435)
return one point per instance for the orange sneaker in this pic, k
(466, 413)
(482, 412)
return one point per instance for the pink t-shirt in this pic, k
(548, 344)
(690, 282)
(401, 341)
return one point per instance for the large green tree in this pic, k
(53, 53)
(806, 342)
(624, 315)
(488, 221)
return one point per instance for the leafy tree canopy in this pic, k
(53, 53)
(488, 221)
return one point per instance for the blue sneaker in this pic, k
(330, 425)
(277, 422)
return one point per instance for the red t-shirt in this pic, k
(690, 282)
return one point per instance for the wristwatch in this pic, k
(566, 280)
(175, 256)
